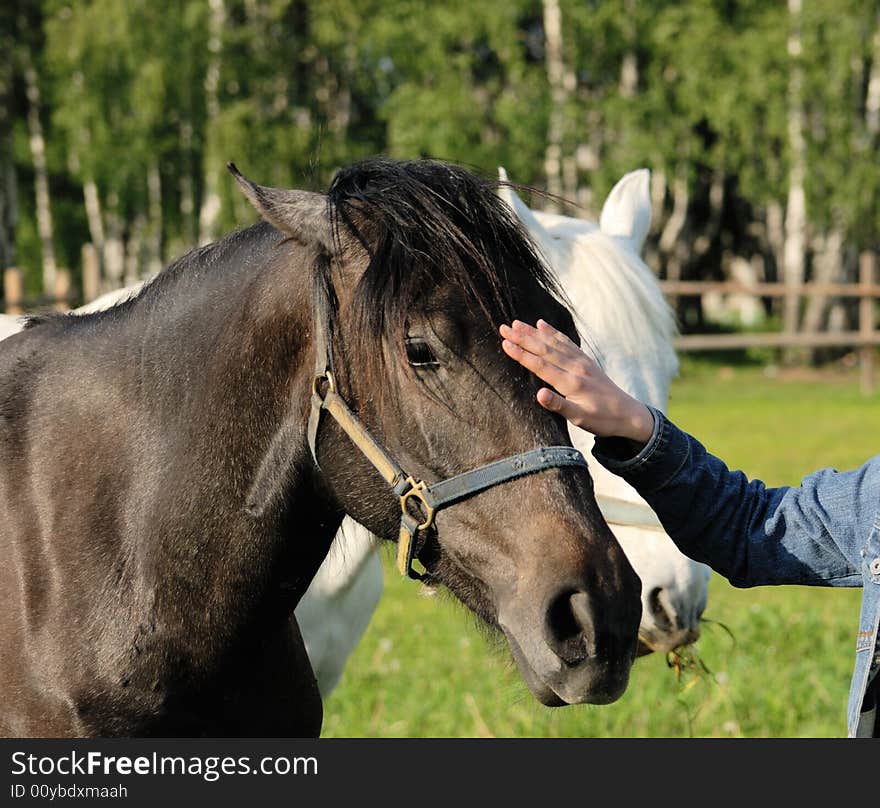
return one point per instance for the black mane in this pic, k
(427, 224)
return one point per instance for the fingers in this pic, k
(555, 349)
(543, 369)
(548, 342)
(537, 342)
(583, 394)
(554, 402)
(555, 334)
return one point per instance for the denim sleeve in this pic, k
(751, 534)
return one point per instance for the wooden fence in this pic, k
(865, 339)
(16, 302)
(63, 296)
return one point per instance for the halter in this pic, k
(430, 497)
(625, 513)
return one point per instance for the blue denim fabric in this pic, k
(826, 532)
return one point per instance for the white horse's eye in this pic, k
(419, 353)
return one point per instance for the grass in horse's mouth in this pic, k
(687, 663)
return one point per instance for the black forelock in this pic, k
(426, 224)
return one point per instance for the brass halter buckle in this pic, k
(408, 529)
(417, 489)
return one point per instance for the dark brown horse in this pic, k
(163, 513)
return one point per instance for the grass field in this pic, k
(424, 669)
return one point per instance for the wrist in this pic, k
(629, 444)
(638, 426)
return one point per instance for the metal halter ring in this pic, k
(417, 489)
(327, 376)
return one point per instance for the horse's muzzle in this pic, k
(570, 656)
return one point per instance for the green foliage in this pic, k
(306, 86)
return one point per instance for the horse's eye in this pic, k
(419, 353)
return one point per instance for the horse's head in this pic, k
(624, 318)
(418, 263)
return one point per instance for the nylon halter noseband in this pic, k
(432, 497)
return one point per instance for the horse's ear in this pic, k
(523, 212)
(627, 210)
(305, 215)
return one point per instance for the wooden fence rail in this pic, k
(865, 339)
(698, 288)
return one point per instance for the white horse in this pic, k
(625, 320)
(9, 325)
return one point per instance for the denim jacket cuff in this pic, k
(659, 460)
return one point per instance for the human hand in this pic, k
(583, 393)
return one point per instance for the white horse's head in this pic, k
(625, 321)
(9, 325)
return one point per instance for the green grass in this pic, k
(424, 669)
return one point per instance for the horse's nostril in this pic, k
(659, 612)
(570, 628)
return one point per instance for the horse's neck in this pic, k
(228, 359)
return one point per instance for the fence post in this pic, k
(867, 262)
(13, 290)
(61, 291)
(91, 269)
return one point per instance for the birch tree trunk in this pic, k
(669, 245)
(114, 249)
(210, 209)
(8, 195)
(41, 175)
(703, 242)
(796, 206)
(154, 227)
(674, 226)
(586, 156)
(92, 253)
(628, 82)
(91, 196)
(187, 187)
(829, 253)
(558, 95)
(651, 251)
(629, 66)
(872, 95)
(94, 217)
